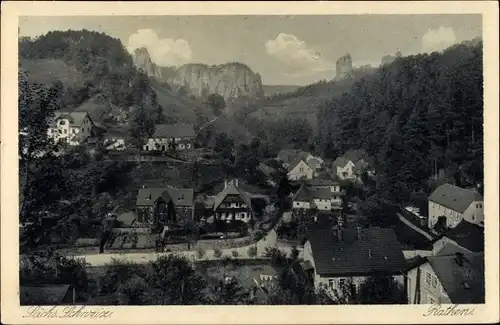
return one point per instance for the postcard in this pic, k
(249, 162)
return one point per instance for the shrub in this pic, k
(200, 253)
(252, 251)
(234, 253)
(217, 253)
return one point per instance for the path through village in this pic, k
(270, 240)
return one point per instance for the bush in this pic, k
(252, 251)
(234, 253)
(200, 253)
(217, 253)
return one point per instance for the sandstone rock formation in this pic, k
(344, 67)
(386, 59)
(230, 80)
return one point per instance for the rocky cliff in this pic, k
(230, 80)
(386, 59)
(344, 67)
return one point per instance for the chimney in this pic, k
(149, 197)
(236, 183)
(143, 186)
(370, 253)
(225, 183)
(358, 232)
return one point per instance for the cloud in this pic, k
(296, 56)
(436, 40)
(164, 52)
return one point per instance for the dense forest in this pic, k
(415, 117)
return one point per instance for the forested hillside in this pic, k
(418, 115)
(89, 66)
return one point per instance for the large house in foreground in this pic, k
(451, 277)
(337, 255)
(455, 204)
(171, 137)
(466, 236)
(71, 128)
(166, 205)
(232, 203)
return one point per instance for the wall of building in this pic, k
(301, 205)
(475, 212)
(301, 171)
(323, 204)
(437, 210)
(348, 169)
(431, 290)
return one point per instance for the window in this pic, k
(428, 278)
(434, 282)
(62, 122)
(330, 283)
(301, 169)
(432, 300)
(296, 204)
(341, 283)
(188, 146)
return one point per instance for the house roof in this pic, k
(295, 162)
(320, 182)
(378, 250)
(266, 169)
(356, 155)
(468, 235)
(43, 294)
(360, 165)
(340, 162)
(178, 196)
(314, 163)
(454, 197)
(232, 189)
(462, 283)
(174, 131)
(75, 118)
(285, 155)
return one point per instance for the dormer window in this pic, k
(62, 122)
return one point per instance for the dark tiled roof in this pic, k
(285, 155)
(467, 235)
(454, 197)
(356, 155)
(302, 195)
(463, 283)
(232, 189)
(178, 196)
(43, 294)
(377, 250)
(340, 162)
(415, 261)
(321, 182)
(174, 131)
(314, 163)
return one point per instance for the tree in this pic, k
(217, 103)
(176, 281)
(217, 252)
(118, 273)
(381, 289)
(252, 251)
(200, 253)
(133, 291)
(230, 293)
(280, 177)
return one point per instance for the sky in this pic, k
(285, 50)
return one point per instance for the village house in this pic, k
(72, 128)
(232, 203)
(339, 254)
(290, 157)
(166, 205)
(299, 169)
(171, 137)
(455, 277)
(466, 236)
(455, 204)
(351, 165)
(319, 194)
